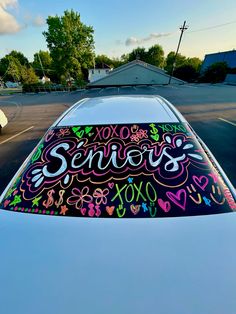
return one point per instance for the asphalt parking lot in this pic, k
(210, 109)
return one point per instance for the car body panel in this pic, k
(3, 119)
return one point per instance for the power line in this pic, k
(211, 27)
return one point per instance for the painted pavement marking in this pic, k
(10, 138)
(227, 121)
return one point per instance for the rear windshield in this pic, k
(106, 110)
(121, 170)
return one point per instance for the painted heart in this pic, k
(80, 134)
(178, 198)
(155, 137)
(75, 129)
(164, 205)
(77, 132)
(135, 209)
(201, 182)
(134, 128)
(88, 129)
(83, 211)
(110, 185)
(110, 210)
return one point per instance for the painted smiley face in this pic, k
(217, 196)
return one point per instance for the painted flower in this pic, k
(100, 196)
(142, 133)
(134, 138)
(63, 132)
(80, 197)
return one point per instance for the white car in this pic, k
(118, 157)
(3, 120)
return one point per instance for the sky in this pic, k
(121, 26)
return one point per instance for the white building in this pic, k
(44, 79)
(98, 73)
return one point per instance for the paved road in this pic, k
(211, 110)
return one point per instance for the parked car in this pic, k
(3, 120)
(119, 157)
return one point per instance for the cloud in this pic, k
(8, 23)
(31, 20)
(38, 21)
(8, 3)
(137, 41)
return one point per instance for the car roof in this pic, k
(113, 110)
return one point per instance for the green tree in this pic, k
(155, 56)
(19, 56)
(179, 61)
(10, 69)
(138, 53)
(215, 73)
(195, 62)
(71, 45)
(189, 70)
(28, 75)
(186, 72)
(45, 66)
(124, 58)
(11, 65)
(4, 63)
(101, 60)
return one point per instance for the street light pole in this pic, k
(182, 28)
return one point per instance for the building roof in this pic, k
(227, 56)
(135, 73)
(139, 62)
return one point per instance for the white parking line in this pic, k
(10, 138)
(227, 121)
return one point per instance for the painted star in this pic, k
(36, 201)
(64, 209)
(130, 180)
(17, 199)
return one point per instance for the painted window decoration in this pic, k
(129, 171)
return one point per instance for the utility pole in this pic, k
(41, 65)
(182, 28)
